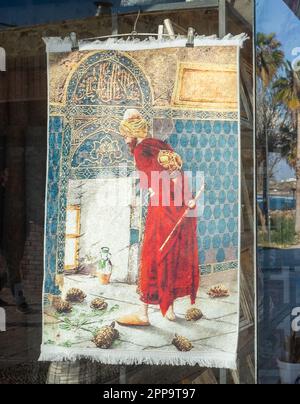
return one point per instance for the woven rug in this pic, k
(142, 237)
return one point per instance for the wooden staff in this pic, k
(181, 219)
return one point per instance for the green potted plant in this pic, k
(105, 266)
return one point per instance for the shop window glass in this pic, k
(23, 157)
(278, 186)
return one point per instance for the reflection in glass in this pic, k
(278, 188)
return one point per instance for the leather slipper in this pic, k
(132, 320)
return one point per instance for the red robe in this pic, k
(173, 273)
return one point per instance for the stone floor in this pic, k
(20, 344)
(216, 332)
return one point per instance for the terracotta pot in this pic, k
(104, 279)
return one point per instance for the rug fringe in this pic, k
(204, 360)
(58, 44)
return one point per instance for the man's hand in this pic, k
(192, 204)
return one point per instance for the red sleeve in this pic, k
(146, 159)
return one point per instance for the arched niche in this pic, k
(101, 168)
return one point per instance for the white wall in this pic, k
(105, 219)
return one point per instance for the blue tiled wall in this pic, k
(54, 164)
(212, 148)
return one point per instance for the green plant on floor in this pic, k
(82, 321)
(67, 344)
(75, 324)
(50, 342)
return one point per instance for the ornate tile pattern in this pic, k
(54, 161)
(84, 143)
(211, 147)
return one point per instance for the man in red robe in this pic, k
(168, 270)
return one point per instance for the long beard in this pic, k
(132, 145)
